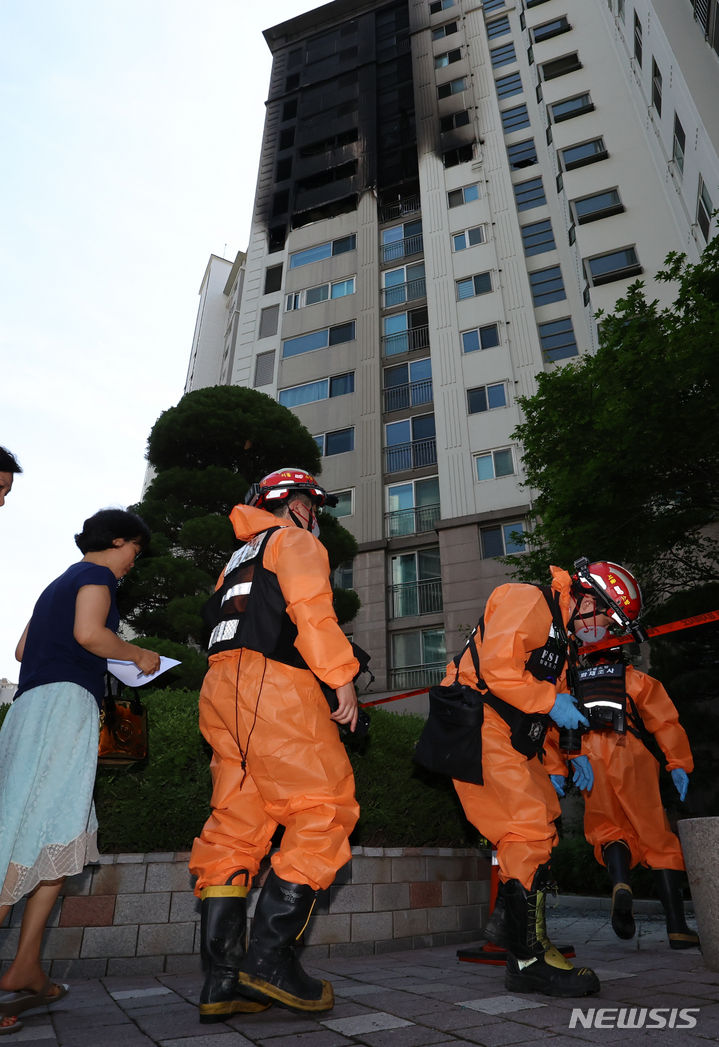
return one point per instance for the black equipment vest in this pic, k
(528, 730)
(249, 610)
(601, 691)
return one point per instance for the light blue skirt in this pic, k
(48, 761)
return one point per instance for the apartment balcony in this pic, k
(417, 520)
(405, 341)
(415, 598)
(405, 248)
(412, 455)
(400, 293)
(411, 394)
(399, 208)
(417, 676)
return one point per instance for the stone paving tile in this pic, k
(410, 1036)
(317, 1038)
(372, 1021)
(226, 1038)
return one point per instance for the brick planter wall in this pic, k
(136, 913)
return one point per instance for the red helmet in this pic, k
(613, 586)
(276, 488)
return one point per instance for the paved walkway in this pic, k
(425, 997)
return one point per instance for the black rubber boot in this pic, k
(617, 857)
(223, 923)
(669, 887)
(495, 930)
(533, 963)
(271, 969)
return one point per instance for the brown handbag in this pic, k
(123, 727)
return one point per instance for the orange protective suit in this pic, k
(624, 802)
(296, 772)
(516, 807)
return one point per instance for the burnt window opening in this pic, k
(289, 109)
(276, 238)
(287, 138)
(292, 82)
(453, 157)
(325, 145)
(283, 170)
(333, 174)
(273, 279)
(280, 203)
(454, 120)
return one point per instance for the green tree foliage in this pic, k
(623, 445)
(205, 452)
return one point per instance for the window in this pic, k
(283, 169)
(614, 265)
(656, 88)
(503, 55)
(497, 27)
(452, 87)
(493, 464)
(468, 238)
(408, 385)
(502, 539)
(560, 66)
(416, 586)
(461, 155)
(269, 319)
(287, 138)
(401, 240)
(344, 507)
(515, 118)
(557, 339)
(678, 145)
(492, 5)
(410, 444)
(485, 337)
(637, 39)
(620, 10)
(547, 286)
(447, 58)
(405, 284)
(289, 109)
(306, 343)
(704, 209)
(597, 205)
(509, 85)
(522, 154)
(440, 5)
(338, 442)
(448, 29)
(533, 3)
(322, 389)
(538, 237)
(419, 658)
(320, 251)
(471, 286)
(343, 576)
(486, 398)
(465, 195)
(570, 107)
(273, 279)
(405, 332)
(549, 29)
(529, 194)
(412, 507)
(453, 120)
(264, 368)
(320, 293)
(584, 153)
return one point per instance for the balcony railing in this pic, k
(412, 455)
(403, 248)
(417, 520)
(398, 208)
(409, 395)
(399, 293)
(415, 598)
(417, 676)
(406, 341)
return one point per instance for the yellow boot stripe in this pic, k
(306, 921)
(223, 891)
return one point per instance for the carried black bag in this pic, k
(123, 726)
(451, 739)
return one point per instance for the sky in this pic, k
(131, 133)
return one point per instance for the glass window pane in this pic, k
(400, 496)
(342, 384)
(342, 333)
(496, 395)
(503, 462)
(491, 542)
(510, 544)
(339, 441)
(485, 469)
(397, 433)
(489, 336)
(460, 241)
(470, 341)
(423, 427)
(313, 295)
(305, 343)
(310, 254)
(477, 400)
(343, 287)
(304, 394)
(427, 491)
(465, 288)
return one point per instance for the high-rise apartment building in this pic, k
(448, 191)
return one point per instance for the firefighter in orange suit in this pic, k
(624, 819)
(277, 755)
(522, 647)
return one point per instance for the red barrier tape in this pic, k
(602, 645)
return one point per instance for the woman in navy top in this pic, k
(48, 742)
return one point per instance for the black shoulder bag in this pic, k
(451, 739)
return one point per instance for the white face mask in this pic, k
(590, 633)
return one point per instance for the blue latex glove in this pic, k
(582, 773)
(681, 781)
(565, 713)
(558, 781)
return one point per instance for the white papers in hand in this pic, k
(129, 674)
